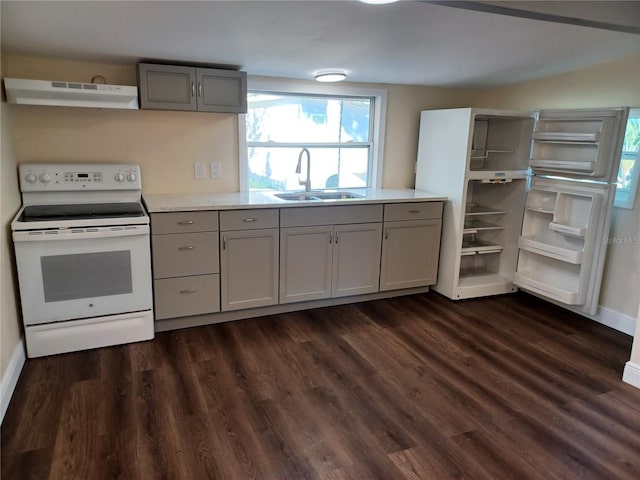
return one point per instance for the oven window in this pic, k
(86, 275)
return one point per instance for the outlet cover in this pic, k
(199, 171)
(216, 169)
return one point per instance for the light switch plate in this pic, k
(199, 171)
(216, 169)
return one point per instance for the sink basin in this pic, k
(301, 196)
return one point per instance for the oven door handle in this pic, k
(79, 233)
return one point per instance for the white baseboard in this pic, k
(631, 374)
(10, 377)
(616, 320)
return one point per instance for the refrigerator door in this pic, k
(579, 143)
(562, 245)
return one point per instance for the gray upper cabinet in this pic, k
(174, 87)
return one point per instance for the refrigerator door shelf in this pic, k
(560, 166)
(568, 229)
(569, 255)
(566, 137)
(525, 281)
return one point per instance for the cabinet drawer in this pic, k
(338, 215)
(412, 211)
(182, 254)
(180, 297)
(249, 219)
(183, 222)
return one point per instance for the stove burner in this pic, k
(37, 213)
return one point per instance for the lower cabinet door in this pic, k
(249, 268)
(305, 263)
(356, 259)
(184, 296)
(410, 251)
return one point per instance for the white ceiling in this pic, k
(409, 42)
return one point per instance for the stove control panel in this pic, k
(75, 177)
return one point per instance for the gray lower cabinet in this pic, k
(410, 245)
(209, 261)
(336, 260)
(249, 251)
(186, 278)
(175, 87)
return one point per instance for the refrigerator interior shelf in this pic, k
(473, 209)
(473, 247)
(475, 277)
(562, 253)
(473, 225)
(568, 229)
(567, 137)
(525, 280)
(478, 154)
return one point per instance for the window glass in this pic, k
(628, 173)
(336, 130)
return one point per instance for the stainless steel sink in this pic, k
(302, 196)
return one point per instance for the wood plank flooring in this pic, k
(414, 387)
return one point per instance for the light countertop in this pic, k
(178, 202)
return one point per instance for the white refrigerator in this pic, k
(530, 198)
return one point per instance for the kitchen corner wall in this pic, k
(10, 322)
(606, 85)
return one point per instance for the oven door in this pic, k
(83, 272)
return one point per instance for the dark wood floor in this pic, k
(409, 388)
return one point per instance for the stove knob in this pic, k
(45, 177)
(132, 177)
(119, 177)
(30, 177)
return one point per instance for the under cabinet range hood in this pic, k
(70, 94)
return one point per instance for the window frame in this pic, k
(295, 87)
(626, 198)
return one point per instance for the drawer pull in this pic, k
(185, 222)
(187, 291)
(414, 211)
(186, 247)
(248, 219)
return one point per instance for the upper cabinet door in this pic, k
(579, 143)
(167, 87)
(221, 90)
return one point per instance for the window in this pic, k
(629, 163)
(340, 127)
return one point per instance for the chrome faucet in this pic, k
(307, 182)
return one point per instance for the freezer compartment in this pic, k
(549, 277)
(500, 143)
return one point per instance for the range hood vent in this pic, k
(70, 94)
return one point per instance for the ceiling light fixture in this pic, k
(331, 76)
(378, 2)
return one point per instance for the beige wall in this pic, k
(606, 85)
(10, 323)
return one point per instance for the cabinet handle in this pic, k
(186, 291)
(199, 89)
(224, 243)
(330, 237)
(185, 222)
(386, 233)
(193, 89)
(336, 238)
(186, 247)
(414, 211)
(248, 219)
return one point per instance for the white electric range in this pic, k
(83, 257)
